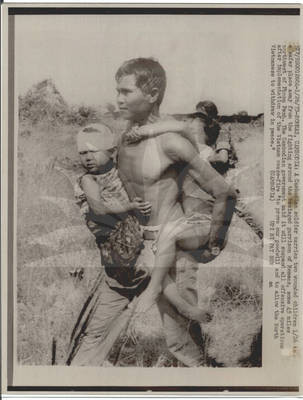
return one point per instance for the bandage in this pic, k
(96, 137)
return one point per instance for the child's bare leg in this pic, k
(190, 311)
(190, 237)
(164, 260)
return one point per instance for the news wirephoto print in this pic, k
(156, 196)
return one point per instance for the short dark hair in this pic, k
(149, 74)
(209, 107)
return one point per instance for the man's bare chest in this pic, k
(143, 163)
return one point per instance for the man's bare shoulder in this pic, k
(177, 147)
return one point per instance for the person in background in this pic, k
(219, 138)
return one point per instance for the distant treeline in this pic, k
(44, 102)
(242, 118)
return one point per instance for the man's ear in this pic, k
(154, 94)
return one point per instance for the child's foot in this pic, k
(195, 313)
(201, 315)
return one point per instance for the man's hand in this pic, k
(220, 156)
(208, 254)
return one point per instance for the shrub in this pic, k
(43, 102)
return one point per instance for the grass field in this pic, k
(52, 241)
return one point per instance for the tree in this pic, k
(243, 116)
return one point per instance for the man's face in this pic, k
(134, 104)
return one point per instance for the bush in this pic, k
(43, 102)
(82, 115)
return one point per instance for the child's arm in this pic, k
(159, 128)
(91, 190)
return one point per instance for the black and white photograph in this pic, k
(139, 188)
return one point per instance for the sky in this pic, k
(218, 58)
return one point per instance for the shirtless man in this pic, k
(153, 169)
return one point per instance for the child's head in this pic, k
(96, 145)
(141, 84)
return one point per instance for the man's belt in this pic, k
(150, 232)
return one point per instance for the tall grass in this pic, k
(52, 241)
(234, 296)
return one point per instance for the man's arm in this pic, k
(181, 150)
